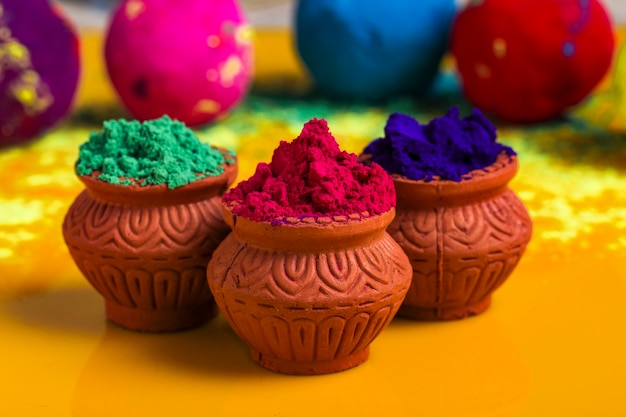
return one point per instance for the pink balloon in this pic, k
(189, 59)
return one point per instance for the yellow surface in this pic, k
(552, 344)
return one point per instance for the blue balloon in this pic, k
(371, 49)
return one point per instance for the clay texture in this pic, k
(463, 239)
(309, 297)
(145, 249)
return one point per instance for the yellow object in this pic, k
(552, 344)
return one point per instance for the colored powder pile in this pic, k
(312, 177)
(448, 147)
(160, 151)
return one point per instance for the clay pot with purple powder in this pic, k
(143, 240)
(309, 277)
(459, 223)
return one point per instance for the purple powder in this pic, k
(448, 147)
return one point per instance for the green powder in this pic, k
(161, 151)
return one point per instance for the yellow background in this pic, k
(552, 344)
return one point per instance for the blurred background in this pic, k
(93, 13)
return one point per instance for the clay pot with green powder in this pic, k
(148, 221)
(464, 236)
(308, 278)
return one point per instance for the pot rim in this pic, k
(160, 194)
(323, 234)
(478, 185)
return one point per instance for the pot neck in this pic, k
(479, 185)
(159, 195)
(316, 237)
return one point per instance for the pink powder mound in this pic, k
(312, 177)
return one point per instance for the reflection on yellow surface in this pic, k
(214, 374)
(551, 344)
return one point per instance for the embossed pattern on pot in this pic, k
(148, 259)
(463, 239)
(309, 311)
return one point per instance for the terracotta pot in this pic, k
(145, 249)
(463, 239)
(309, 297)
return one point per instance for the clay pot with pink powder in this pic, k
(309, 277)
(309, 297)
(464, 236)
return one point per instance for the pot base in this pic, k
(293, 367)
(454, 313)
(157, 321)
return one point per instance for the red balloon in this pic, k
(530, 60)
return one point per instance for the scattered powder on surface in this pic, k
(448, 147)
(312, 177)
(160, 151)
